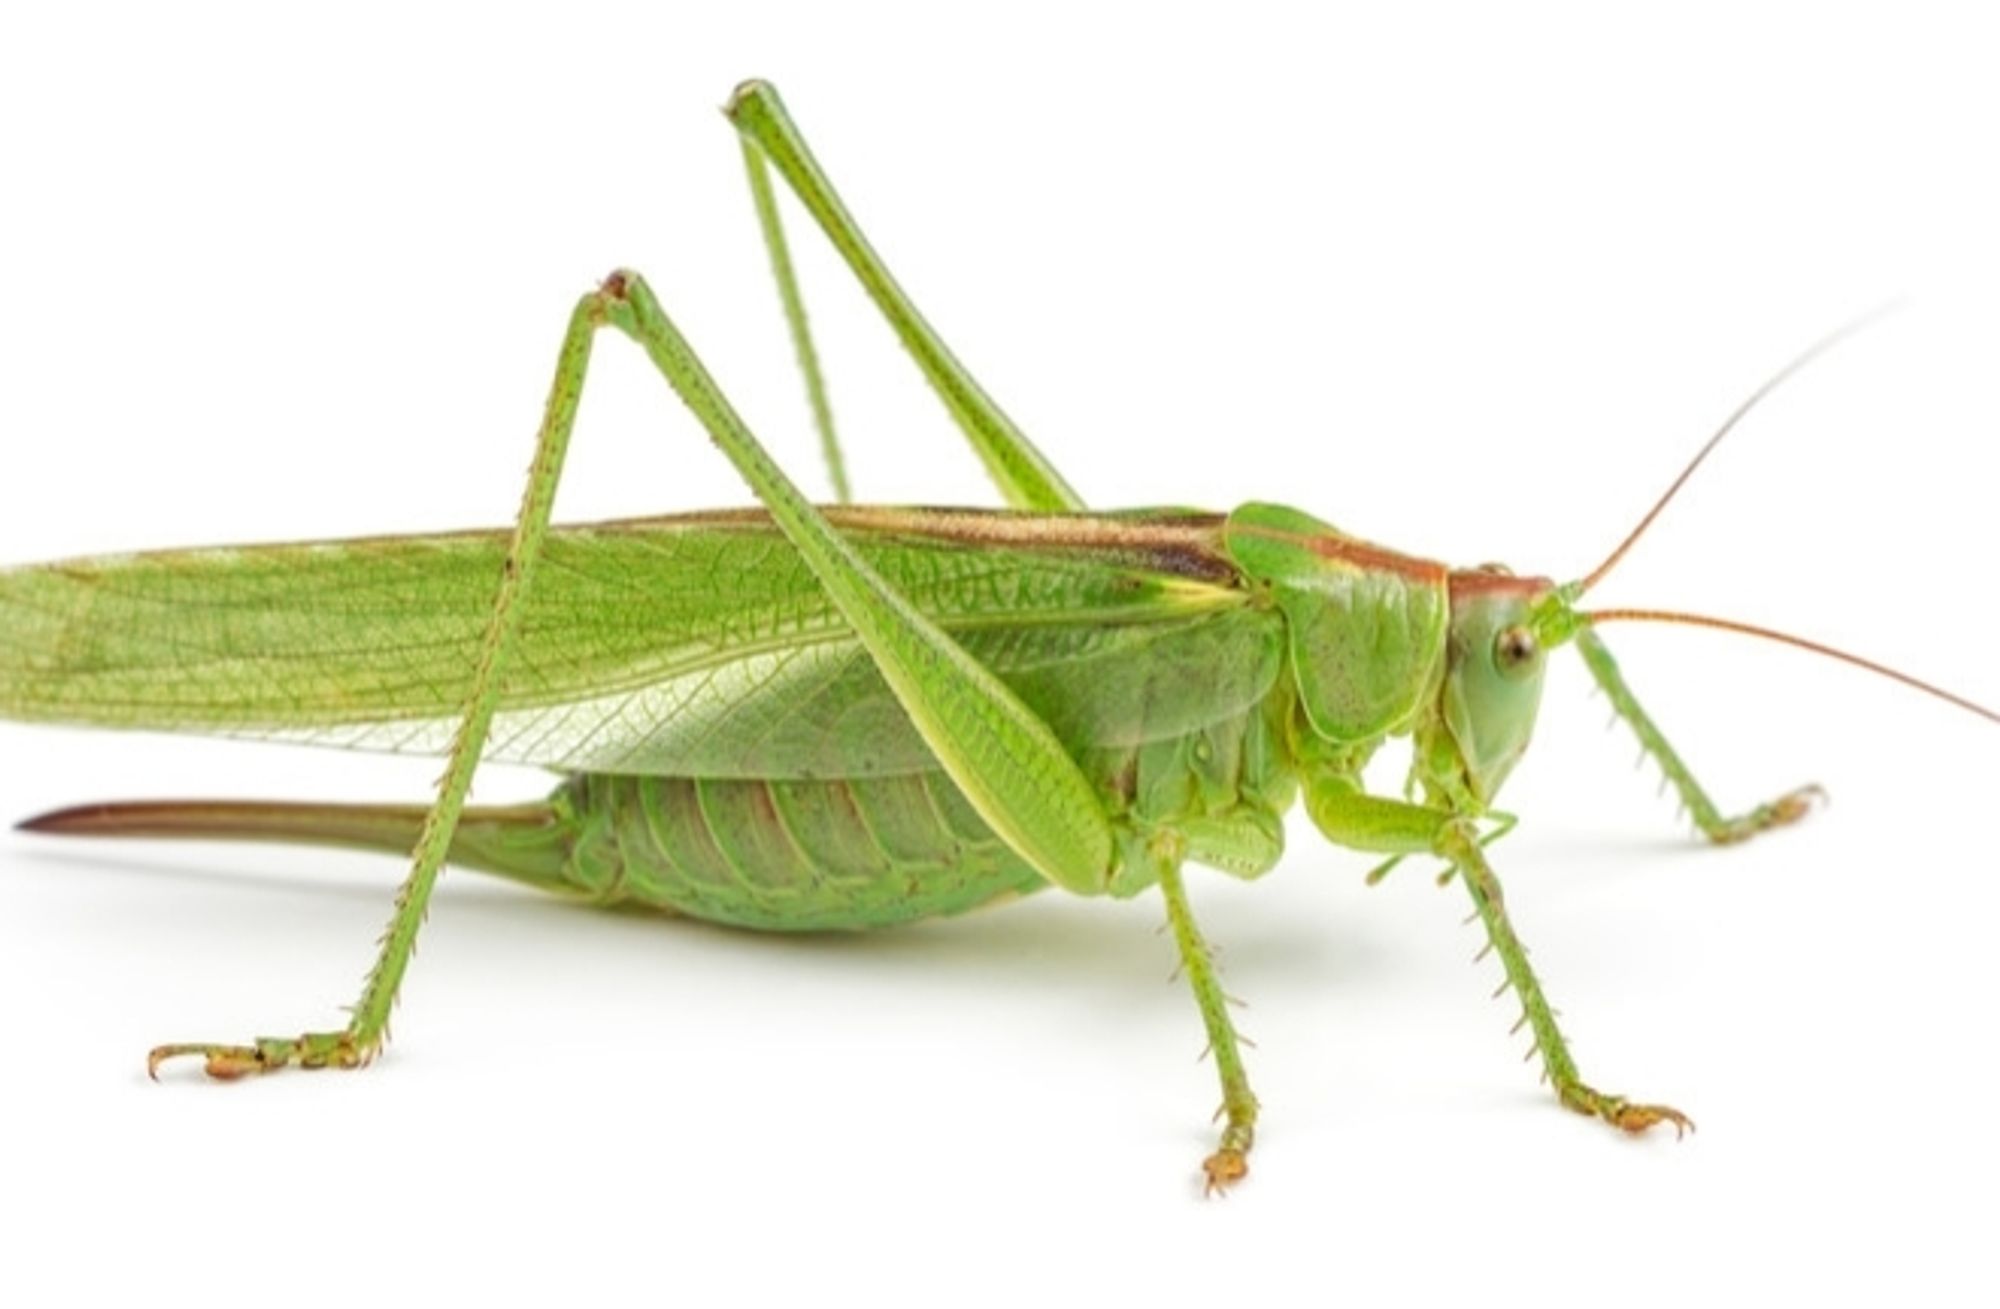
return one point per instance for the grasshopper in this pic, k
(797, 718)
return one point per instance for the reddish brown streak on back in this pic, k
(1484, 581)
(1348, 550)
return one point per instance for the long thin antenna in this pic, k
(1811, 352)
(1785, 638)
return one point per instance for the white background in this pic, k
(1471, 285)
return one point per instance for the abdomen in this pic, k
(805, 855)
(790, 855)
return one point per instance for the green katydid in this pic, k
(796, 719)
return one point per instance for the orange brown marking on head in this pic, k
(1484, 580)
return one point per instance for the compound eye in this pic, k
(1515, 650)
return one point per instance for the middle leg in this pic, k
(1231, 1161)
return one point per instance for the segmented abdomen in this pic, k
(789, 855)
(808, 855)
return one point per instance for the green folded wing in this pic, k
(694, 646)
